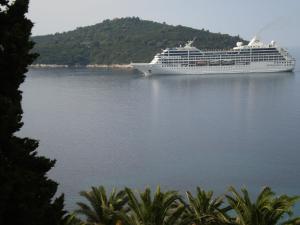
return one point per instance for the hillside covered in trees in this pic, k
(122, 41)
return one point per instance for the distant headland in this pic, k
(117, 42)
(114, 66)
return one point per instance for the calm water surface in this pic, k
(118, 128)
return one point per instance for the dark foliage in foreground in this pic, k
(170, 208)
(25, 191)
(122, 41)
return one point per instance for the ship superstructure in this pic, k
(254, 57)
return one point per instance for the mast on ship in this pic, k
(190, 43)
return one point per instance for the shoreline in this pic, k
(114, 66)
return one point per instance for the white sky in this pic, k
(243, 17)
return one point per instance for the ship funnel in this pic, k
(273, 43)
(255, 42)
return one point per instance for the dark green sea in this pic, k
(118, 128)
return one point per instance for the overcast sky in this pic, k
(280, 18)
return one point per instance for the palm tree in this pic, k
(204, 209)
(164, 208)
(266, 210)
(71, 219)
(102, 209)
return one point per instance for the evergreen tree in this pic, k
(26, 194)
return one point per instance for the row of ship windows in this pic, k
(222, 51)
(223, 55)
(237, 59)
(228, 53)
(240, 50)
(284, 62)
(223, 58)
(221, 65)
(196, 66)
(204, 55)
(216, 62)
(219, 56)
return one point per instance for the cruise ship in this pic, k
(255, 57)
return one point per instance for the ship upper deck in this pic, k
(255, 50)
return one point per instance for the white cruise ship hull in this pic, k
(255, 67)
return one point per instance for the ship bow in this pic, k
(145, 68)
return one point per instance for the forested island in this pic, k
(121, 41)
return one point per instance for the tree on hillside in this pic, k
(26, 193)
